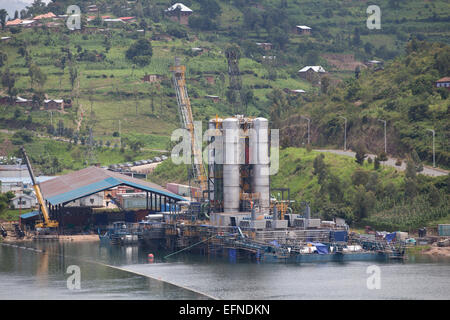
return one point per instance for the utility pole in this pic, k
(309, 122)
(345, 132)
(120, 136)
(434, 157)
(385, 139)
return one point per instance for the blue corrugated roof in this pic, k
(102, 185)
(29, 214)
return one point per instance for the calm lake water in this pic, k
(38, 271)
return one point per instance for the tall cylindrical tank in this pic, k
(260, 160)
(231, 188)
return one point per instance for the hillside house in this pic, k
(13, 23)
(92, 8)
(22, 23)
(294, 92)
(311, 73)
(303, 30)
(265, 45)
(128, 19)
(152, 78)
(111, 23)
(49, 15)
(23, 102)
(4, 100)
(23, 201)
(210, 79)
(179, 13)
(56, 104)
(443, 83)
(214, 99)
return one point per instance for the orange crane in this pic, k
(187, 121)
(47, 223)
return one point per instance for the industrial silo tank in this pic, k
(260, 160)
(231, 177)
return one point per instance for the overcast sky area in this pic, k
(12, 5)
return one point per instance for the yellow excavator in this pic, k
(46, 223)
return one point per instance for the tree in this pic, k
(3, 58)
(210, 8)
(363, 202)
(202, 23)
(3, 15)
(360, 153)
(356, 37)
(279, 37)
(36, 75)
(320, 168)
(382, 156)
(73, 72)
(143, 25)
(335, 188)
(360, 177)
(415, 158)
(376, 163)
(411, 171)
(9, 81)
(357, 72)
(324, 84)
(140, 52)
(5, 199)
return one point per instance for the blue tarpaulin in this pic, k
(275, 243)
(339, 235)
(390, 236)
(321, 248)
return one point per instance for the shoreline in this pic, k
(60, 238)
(436, 251)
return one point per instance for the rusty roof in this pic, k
(82, 183)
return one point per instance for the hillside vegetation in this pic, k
(403, 94)
(337, 186)
(99, 70)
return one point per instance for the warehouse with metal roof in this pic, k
(62, 190)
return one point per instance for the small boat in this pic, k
(121, 233)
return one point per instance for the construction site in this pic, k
(228, 210)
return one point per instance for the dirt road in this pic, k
(428, 171)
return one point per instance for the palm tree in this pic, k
(3, 15)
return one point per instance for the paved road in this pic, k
(428, 171)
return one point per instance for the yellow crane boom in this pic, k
(184, 106)
(47, 223)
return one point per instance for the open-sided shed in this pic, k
(61, 190)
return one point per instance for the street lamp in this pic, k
(385, 140)
(434, 158)
(345, 132)
(309, 122)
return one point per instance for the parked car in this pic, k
(157, 159)
(163, 157)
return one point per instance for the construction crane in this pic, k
(47, 223)
(187, 121)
